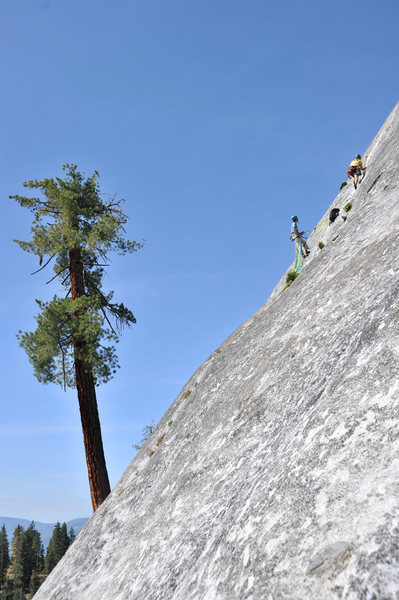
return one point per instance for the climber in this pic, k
(355, 169)
(296, 236)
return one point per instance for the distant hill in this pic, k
(45, 529)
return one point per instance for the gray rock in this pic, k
(286, 445)
(331, 559)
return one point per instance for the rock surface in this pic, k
(278, 478)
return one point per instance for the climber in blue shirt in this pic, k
(297, 237)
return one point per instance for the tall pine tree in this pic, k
(58, 545)
(31, 554)
(16, 570)
(53, 553)
(73, 343)
(4, 555)
(26, 560)
(71, 535)
(64, 539)
(7, 590)
(34, 583)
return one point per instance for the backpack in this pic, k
(350, 171)
(333, 214)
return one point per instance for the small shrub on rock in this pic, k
(290, 277)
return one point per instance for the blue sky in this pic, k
(215, 120)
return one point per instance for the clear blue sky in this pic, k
(216, 120)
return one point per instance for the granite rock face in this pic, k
(278, 478)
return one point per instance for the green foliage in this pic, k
(4, 555)
(34, 583)
(16, 570)
(50, 347)
(26, 558)
(320, 245)
(72, 535)
(79, 217)
(27, 564)
(71, 216)
(186, 395)
(348, 206)
(58, 545)
(170, 423)
(291, 276)
(32, 554)
(7, 590)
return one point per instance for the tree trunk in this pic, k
(97, 469)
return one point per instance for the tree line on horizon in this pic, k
(24, 569)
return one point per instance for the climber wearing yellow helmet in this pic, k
(355, 169)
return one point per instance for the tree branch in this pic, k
(106, 304)
(63, 365)
(56, 275)
(108, 321)
(45, 265)
(64, 280)
(90, 282)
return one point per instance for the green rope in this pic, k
(298, 262)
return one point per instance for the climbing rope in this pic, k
(298, 262)
(319, 225)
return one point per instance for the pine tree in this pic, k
(31, 554)
(7, 590)
(72, 535)
(64, 540)
(4, 555)
(73, 343)
(16, 571)
(58, 545)
(53, 553)
(37, 551)
(34, 583)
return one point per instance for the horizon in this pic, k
(42, 522)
